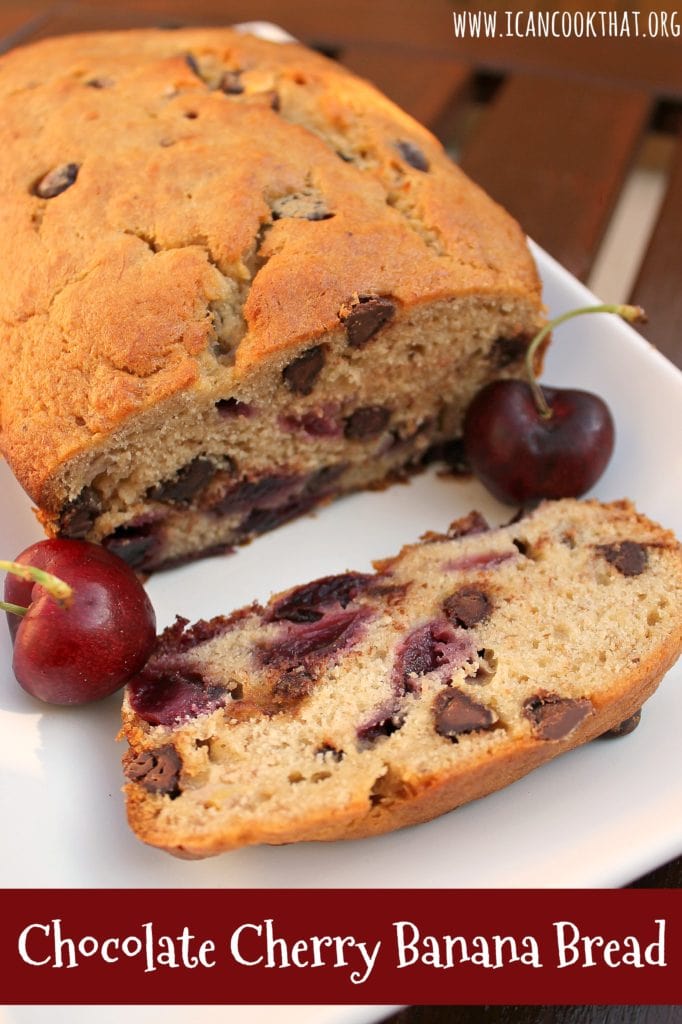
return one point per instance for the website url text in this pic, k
(567, 24)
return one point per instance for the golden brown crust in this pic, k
(106, 307)
(432, 796)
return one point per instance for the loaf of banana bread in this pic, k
(239, 281)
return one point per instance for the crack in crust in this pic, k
(175, 280)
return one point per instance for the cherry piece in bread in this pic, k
(84, 644)
(526, 443)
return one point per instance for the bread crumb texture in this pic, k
(365, 702)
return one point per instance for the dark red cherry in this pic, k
(526, 442)
(81, 650)
(522, 456)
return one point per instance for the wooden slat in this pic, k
(67, 18)
(424, 87)
(646, 63)
(379, 21)
(667, 877)
(659, 285)
(537, 1014)
(19, 23)
(555, 153)
(382, 21)
(650, 63)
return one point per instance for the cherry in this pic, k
(81, 636)
(521, 456)
(526, 443)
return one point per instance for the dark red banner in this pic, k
(452, 947)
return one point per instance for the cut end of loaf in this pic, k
(217, 468)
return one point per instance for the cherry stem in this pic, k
(630, 313)
(56, 588)
(15, 609)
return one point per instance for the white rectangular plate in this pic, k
(200, 1014)
(598, 816)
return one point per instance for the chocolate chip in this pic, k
(100, 83)
(629, 558)
(231, 83)
(455, 714)
(186, 483)
(368, 421)
(78, 516)
(294, 685)
(553, 717)
(412, 155)
(506, 351)
(453, 455)
(301, 374)
(56, 181)
(275, 103)
(191, 62)
(231, 408)
(135, 544)
(467, 606)
(366, 318)
(627, 726)
(301, 206)
(157, 770)
(328, 751)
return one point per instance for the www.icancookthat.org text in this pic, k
(598, 24)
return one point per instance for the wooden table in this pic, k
(563, 132)
(538, 1015)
